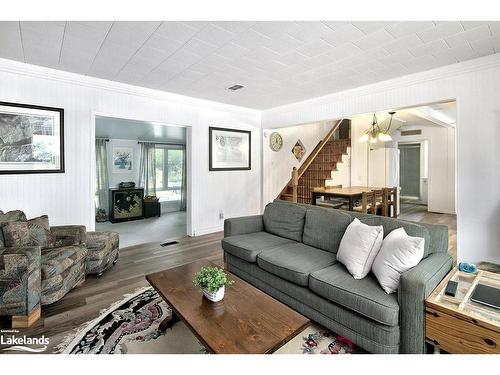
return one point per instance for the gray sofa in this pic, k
(289, 252)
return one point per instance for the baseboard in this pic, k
(201, 232)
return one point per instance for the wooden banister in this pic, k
(297, 173)
(295, 184)
(318, 149)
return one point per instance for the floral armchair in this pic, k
(38, 264)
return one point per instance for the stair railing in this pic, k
(297, 173)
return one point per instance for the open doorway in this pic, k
(417, 154)
(141, 180)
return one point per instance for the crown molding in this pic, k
(443, 72)
(35, 71)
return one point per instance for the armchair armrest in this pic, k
(20, 282)
(243, 225)
(69, 235)
(415, 286)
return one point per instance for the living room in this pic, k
(222, 133)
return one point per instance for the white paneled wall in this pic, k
(475, 84)
(68, 198)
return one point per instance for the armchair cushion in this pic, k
(69, 235)
(34, 232)
(20, 283)
(5, 217)
(56, 261)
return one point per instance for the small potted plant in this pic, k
(212, 280)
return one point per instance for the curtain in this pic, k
(184, 180)
(102, 179)
(147, 173)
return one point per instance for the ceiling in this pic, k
(277, 62)
(437, 114)
(115, 128)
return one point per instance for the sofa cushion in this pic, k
(294, 262)
(389, 224)
(5, 217)
(364, 296)
(248, 246)
(285, 220)
(56, 261)
(324, 228)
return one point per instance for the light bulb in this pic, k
(373, 139)
(364, 138)
(384, 137)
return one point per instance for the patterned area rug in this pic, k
(130, 326)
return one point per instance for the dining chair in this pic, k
(390, 197)
(368, 203)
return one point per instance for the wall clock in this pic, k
(275, 141)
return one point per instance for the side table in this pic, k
(458, 325)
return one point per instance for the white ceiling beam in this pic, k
(433, 116)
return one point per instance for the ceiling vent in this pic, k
(235, 87)
(411, 132)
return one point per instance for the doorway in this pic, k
(409, 171)
(150, 158)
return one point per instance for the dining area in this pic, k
(372, 200)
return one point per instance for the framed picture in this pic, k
(229, 149)
(31, 139)
(123, 159)
(299, 150)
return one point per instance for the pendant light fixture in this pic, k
(375, 133)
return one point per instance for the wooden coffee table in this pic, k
(246, 321)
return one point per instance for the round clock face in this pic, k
(276, 141)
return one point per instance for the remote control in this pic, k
(451, 288)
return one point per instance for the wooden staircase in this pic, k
(318, 166)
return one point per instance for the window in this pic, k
(168, 165)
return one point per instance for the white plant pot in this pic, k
(214, 296)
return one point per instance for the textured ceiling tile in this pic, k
(234, 26)
(442, 30)
(371, 26)
(274, 29)
(409, 27)
(429, 48)
(473, 24)
(232, 51)
(215, 35)
(10, 41)
(280, 63)
(469, 36)
(374, 40)
(408, 41)
(178, 31)
(314, 49)
(344, 34)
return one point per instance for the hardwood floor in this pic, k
(419, 213)
(96, 293)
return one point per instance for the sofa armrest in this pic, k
(415, 286)
(20, 281)
(243, 225)
(68, 235)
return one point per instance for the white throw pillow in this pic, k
(359, 247)
(398, 254)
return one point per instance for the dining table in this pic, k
(351, 194)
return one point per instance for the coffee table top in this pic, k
(246, 321)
